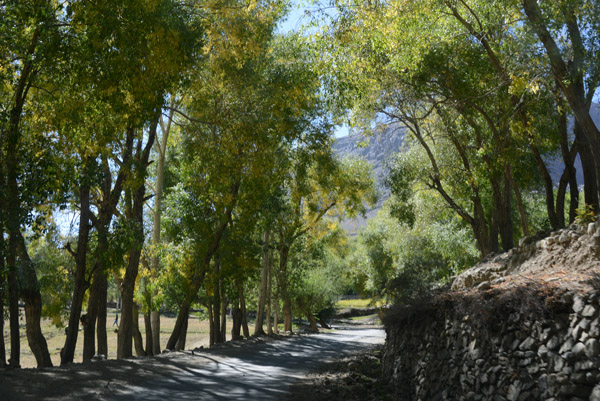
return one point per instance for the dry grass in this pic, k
(197, 336)
(357, 303)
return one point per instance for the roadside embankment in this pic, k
(524, 325)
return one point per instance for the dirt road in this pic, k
(257, 371)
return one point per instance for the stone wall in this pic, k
(527, 343)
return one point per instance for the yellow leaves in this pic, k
(518, 86)
(523, 83)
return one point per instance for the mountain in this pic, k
(377, 150)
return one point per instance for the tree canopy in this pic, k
(192, 145)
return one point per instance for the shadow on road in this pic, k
(261, 370)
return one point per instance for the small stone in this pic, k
(588, 311)
(578, 304)
(553, 343)
(591, 228)
(579, 377)
(576, 390)
(527, 344)
(584, 323)
(562, 378)
(592, 348)
(532, 368)
(579, 349)
(595, 396)
(594, 330)
(566, 347)
(542, 351)
(513, 391)
(485, 285)
(584, 365)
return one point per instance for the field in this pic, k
(197, 335)
(358, 303)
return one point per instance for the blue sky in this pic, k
(296, 18)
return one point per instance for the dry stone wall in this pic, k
(534, 343)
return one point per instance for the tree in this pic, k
(477, 75)
(318, 185)
(574, 67)
(245, 108)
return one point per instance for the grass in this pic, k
(197, 335)
(358, 303)
(363, 318)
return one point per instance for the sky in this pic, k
(296, 18)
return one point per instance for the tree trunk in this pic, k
(30, 291)
(101, 322)
(548, 186)
(216, 304)
(243, 310)
(13, 306)
(33, 315)
(569, 156)
(155, 327)
(260, 309)
(32, 297)
(561, 193)
(323, 324)
(236, 328)
(313, 322)
(496, 210)
(137, 335)
(284, 251)
(211, 324)
(181, 322)
(223, 304)
(80, 283)
(590, 186)
(149, 334)
(180, 345)
(156, 241)
(136, 217)
(479, 226)
(268, 297)
(287, 315)
(2, 295)
(520, 205)
(89, 330)
(276, 315)
(507, 222)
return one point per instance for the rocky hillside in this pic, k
(563, 256)
(377, 150)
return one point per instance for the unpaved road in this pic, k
(259, 371)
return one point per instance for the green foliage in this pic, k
(316, 265)
(55, 268)
(586, 215)
(399, 261)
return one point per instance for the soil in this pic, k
(568, 258)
